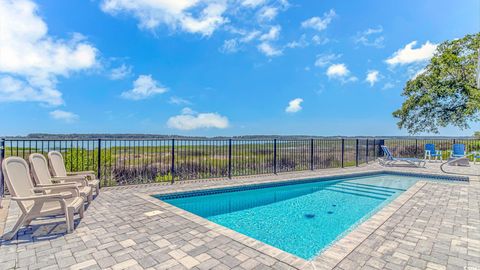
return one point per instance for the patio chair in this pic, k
(390, 160)
(58, 170)
(42, 177)
(431, 152)
(476, 156)
(37, 202)
(458, 151)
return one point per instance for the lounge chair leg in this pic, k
(81, 211)
(69, 219)
(90, 196)
(13, 232)
(27, 222)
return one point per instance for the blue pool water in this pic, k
(301, 219)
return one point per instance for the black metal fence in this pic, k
(136, 161)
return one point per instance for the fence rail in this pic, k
(136, 161)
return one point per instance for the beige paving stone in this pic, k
(434, 225)
(189, 262)
(127, 243)
(125, 265)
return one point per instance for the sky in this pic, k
(218, 67)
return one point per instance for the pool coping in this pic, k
(335, 252)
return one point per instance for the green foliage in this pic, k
(446, 93)
(79, 159)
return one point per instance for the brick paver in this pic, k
(437, 227)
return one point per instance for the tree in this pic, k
(446, 92)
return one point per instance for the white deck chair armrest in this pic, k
(71, 179)
(90, 173)
(45, 197)
(56, 185)
(73, 190)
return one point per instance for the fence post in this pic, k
(230, 158)
(311, 154)
(356, 153)
(2, 181)
(99, 159)
(366, 153)
(343, 151)
(374, 149)
(173, 161)
(416, 148)
(275, 156)
(380, 150)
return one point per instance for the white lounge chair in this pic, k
(51, 201)
(42, 177)
(58, 169)
(390, 160)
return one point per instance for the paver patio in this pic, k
(432, 225)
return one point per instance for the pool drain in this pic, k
(309, 215)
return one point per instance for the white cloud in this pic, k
(267, 49)
(319, 23)
(229, 46)
(301, 43)
(190, 120)
(249, 36)
(340, 72)
(371, 37)
(253, 3)
(267, 13)
(272, 34)
(174, 14)
(294, 105)
(337, 70)
(317, 40)
(144, 87)
(120, 72)
(388, 85)
(179, 101)
(372, 77)
(265, 46)
(31, 61)
(325, 59)
(408, 54)
(68, 117)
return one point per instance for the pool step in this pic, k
(370, 189)
(362, 190)
(374, 186)
(357, 193)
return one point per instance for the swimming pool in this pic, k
(301, 218)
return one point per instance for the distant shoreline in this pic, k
(250, 137)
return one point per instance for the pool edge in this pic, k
(335, 253)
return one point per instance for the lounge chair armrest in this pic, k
(73, 190)
(55, 185)
(84, 173)
(71, 179)
(56, 196)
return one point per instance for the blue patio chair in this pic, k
(476, 155)
(390, 160)
(431, 152)
(458, 151)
